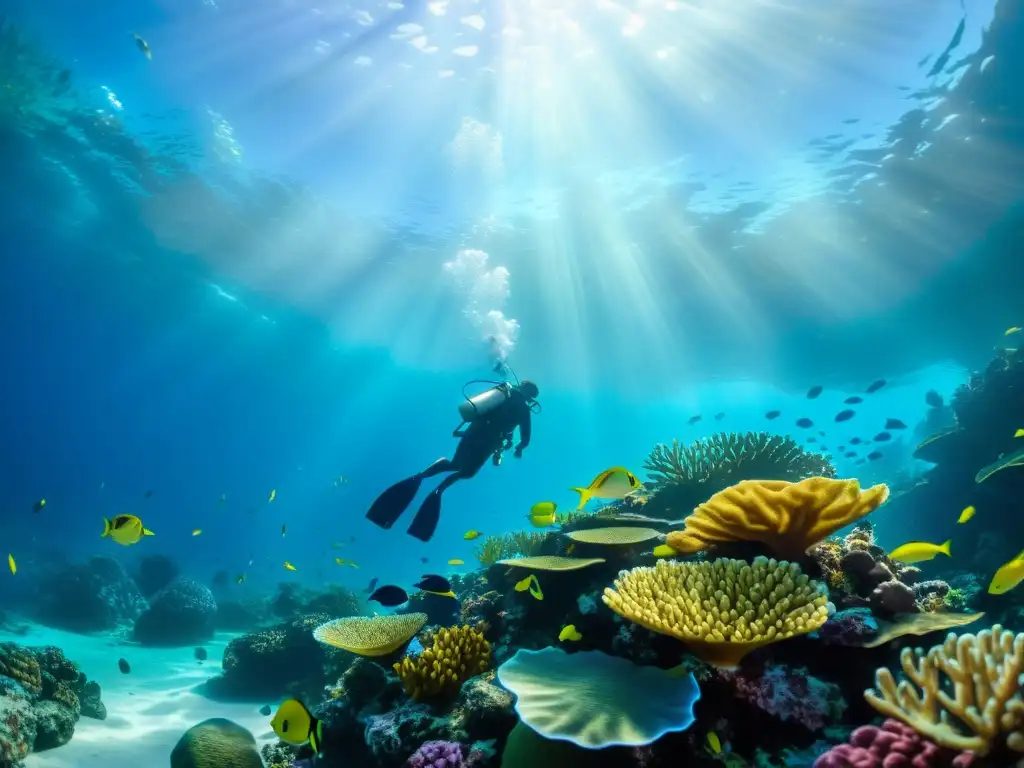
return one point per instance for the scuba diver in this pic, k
(487, 430)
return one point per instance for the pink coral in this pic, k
(789, 694)
(894, 745)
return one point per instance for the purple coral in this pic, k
(894, 745)
(853, 627)
(436, 754)
(790, 694)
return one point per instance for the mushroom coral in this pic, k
(371, 635)
(595, 700)
(450, 657)
(787, 517)
(724, 609)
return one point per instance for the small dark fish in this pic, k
(875, 386)
(437, 585)
(842, 448)
(38, 506)
(372, 586)
(882, 437)
(201, 654)
(849, 454)
(64, 77)
(804, 423)
(855, 441)
(284, 529)
(124, 666)
(824, 447)
(265, 710)
(875, 455)
(933, 398)
(814, 391)
(894, 424)
(772, 415)
(859, 461)
(845, 415)
(424, 560)
(148, 495)
(812, 439)
(390, 596)
(719, 416)
(693, 420)
(853, 400)
(821, 433)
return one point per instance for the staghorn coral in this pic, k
(787, 517)
(508, 545)
(986, 672)
(371, 635)
(450, 657)
(19, 664)
(724, 609)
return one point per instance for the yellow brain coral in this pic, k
(450, 657)
(787, 517)
(724, 609)
(986, 673)
(371, 635)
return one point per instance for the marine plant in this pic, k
(723, 609)
(450, 656)
(508, 545)
(684, 476)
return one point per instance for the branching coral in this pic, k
(787, 517)
(450, 657)
(986, 672)
(508, 545)
(723, 609)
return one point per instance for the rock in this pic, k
(893, 597)
(155, 573)
(55, 725)
(92, 705)
(94, 597)
(216, 743)
(183, 613)
(362, 682)
(233, 616)
(65, 684)
(484, 709)
(17, 727)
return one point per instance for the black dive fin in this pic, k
(425, 522)
(390, 505)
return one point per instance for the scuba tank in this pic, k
(485, 402)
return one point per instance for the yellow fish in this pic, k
(966, 515)
(1019, 433)
(196, 531)
(289, 566)
(614, 483)
(273, 495)
(664, 550)
(569, 633)
(1011, 331)
(470, 535)
(456, 561)
(125, 529)
(1008, 576)
(11, 564)
(919, 551)
(542, 514)
(294, 725)
(343, 561)
(714, 743)
(530, 583)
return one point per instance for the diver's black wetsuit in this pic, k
(482, 439)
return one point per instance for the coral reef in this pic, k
(450, 656)
(509, 545)
(216, 743)
(371, 635)
(789, 693)
(154, 573)
(437, 754)
(182, 613)
(96, 596)
(893, 745)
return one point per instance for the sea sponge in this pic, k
(595, 700)
(614, 536)
(724, 609)
(371, 635)
(787, 517)
(552, 563)
(985, 673)
(450, 657)
(216, 743)
(19, 664)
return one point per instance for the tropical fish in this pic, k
(343, 561)
(143, 46)
(196, 531)
(772, 415)
(875, 386)
(1019, 433)
(855, 441)
(124, 666)
(200, 654)
(125, 529)
(289, 567)
(424, 559)
(222, 499)
(933, 398)
(542, 514)
(1011, 331)
(284, 530)
(614, 483)
(664, 550)
(845, 415)
(919, 551)
(849, 454)
(1008, 576)
(693, 419)
(470, 535)
(456, 561)
(883, 437)
(804, 423)
(719, 416)
(435, 585)
(966, 515)
(389, 596)
(148, 494)
(854, 400)
(38, 506)
(294, 725)
(814, 391)
(569, 633)
(273, 495)
(11, 564)
(530, 583)
(714, 743)
(894, 424)
(372, 586)
(874, 456)
(240, 579)
(265, 710)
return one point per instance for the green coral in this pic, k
(216, 743)
(509, 545)
(956, 601)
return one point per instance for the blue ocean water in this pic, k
(269, 257)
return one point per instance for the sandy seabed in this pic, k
(148, 709)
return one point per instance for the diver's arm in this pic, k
(525, 428)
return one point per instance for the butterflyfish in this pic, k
(125, 529)
(294, 725)
(614, 483)
(1008, 576)
(273, 495)
(435, 585)
(664, 550)
(966, 515)
(390, 596)
(470, 535)
(919, 551)
(542, 514)
(569, 633)
(456, 561)
(11, 564)
(289, 567)
(530, 584)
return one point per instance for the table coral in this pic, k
(723, 609)
(894, 745)
(786, 517)
(450, 657)
(371, 635)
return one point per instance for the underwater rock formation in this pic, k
(96, 596)
(216, 743)
(182, 613)
(789, 693)
(292, 600)
(154, 573)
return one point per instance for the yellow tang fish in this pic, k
(456, 561)
(1011, 331)
(1019, 433)
(196, 531)
(614, 483)
(470, 535)
(294, 725)
(714, 743)
(966, 515)
(530, 583)
(664, 550)
(273, 495)
(542, 514)
(343, 561)
(569, 633)
(11, 564)
(125, 529)
(919, 551)
(1008, 576)
(289, 566)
